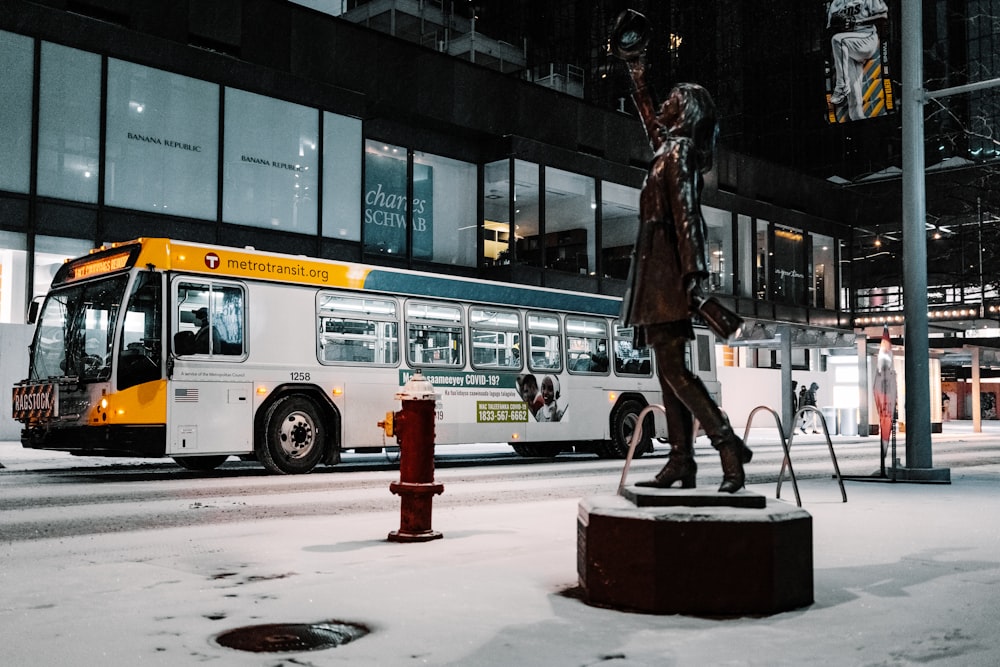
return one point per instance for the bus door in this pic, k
(210, 397)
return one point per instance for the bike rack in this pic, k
(637, 436)
(791, 438)
(786, 444)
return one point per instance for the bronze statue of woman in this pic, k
(670, 261)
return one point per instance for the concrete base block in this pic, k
(681, 552)
(924, 475)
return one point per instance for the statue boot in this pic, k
(680, 467)
(697, 399)
(732, 454)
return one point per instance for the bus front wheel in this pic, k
(293, 436)
(623, 425)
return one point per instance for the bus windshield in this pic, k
(75, 333)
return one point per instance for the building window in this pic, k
(823, 282)
(444, 210)
(51, 252)
(13, 276)
(570, 214)
(744, 235)
(69, 120)
(762, 261)
(162, 142)
(341, 177)
(385, 208)
(720, 250)
(270, 176)
(789, 261)
(619, 228)
(497, 225)
(526, 213)
(17, 65)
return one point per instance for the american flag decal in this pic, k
(186, 395)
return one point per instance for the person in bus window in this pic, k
(550, 411)
(207, 338)
(669, 265)
(600, 358)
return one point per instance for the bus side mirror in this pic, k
(33, 308)
(184, 342)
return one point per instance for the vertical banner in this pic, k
(386, 207)
(857, 62)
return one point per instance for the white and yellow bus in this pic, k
(158, 348)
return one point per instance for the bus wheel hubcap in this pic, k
(296, 435)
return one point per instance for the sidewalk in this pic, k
(903, 575)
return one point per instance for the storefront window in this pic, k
(789, 261)
(270, 163)
(341, 177)
(385, 201)
(528, 244)
(619, 227)
(69, 123)
(17, 65)
(162, 141)
(762, 261)
(846, 278)
(570, 214)
(444, 209)
(13, 276)
(720, 249)
(496, 211)
(823, 285)
(50, 253)
(748, 263)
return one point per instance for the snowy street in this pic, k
(113, 563)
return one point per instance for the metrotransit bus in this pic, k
(162, 348)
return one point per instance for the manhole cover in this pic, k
(286, 637)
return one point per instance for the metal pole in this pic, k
(787, 413)
(917, 409)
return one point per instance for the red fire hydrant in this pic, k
(413, 427)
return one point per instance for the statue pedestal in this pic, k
(698, 552)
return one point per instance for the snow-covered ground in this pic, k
(904, 574)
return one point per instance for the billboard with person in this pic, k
(857, 62)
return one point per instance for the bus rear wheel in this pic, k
(623, 424)
(200, 463)
(294, 436)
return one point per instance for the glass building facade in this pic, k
(202, 160)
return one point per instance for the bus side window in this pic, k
(209, 319)
(587, 345)
(434, 335)
(139, 356)
(628, 359)
(357, 330)
(496, 338)
(544, 343)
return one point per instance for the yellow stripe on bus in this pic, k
(230, 263)
(143, 404)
